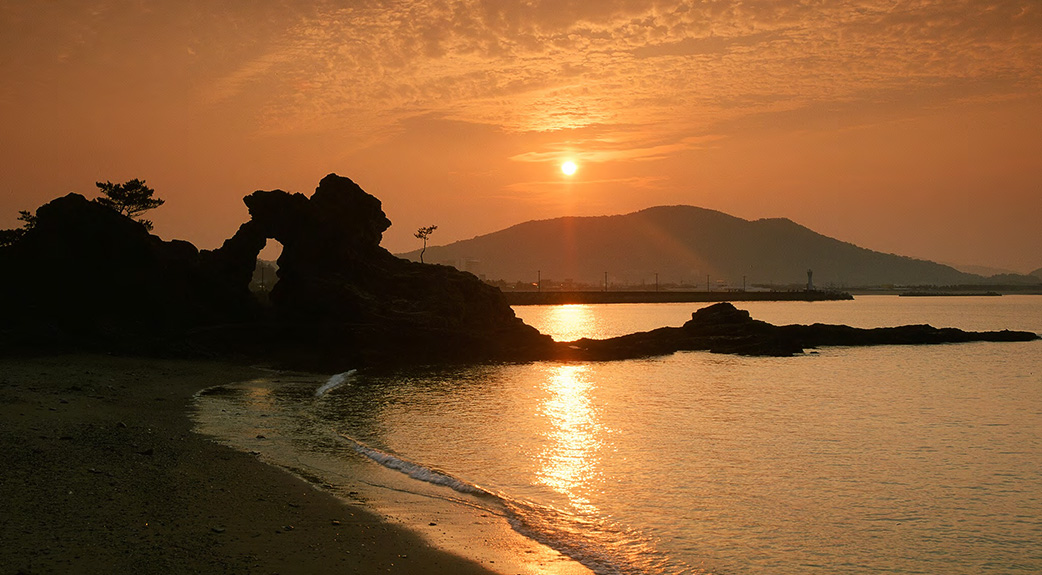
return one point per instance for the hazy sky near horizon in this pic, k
(912, 127)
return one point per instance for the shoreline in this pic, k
(268, 417)
(105, 473)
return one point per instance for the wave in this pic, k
(603, 547)
(415, 470)
(335, 381)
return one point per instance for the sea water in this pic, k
(843, 460)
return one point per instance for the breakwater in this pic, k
(575, 297)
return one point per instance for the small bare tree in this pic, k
(424, 233)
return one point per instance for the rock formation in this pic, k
(86, 276)
(722, 328)
(340, 293)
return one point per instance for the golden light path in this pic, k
(570, 463)
(574, 435)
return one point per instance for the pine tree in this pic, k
(130, 199)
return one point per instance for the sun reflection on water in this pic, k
(570, 463)
(569, 322)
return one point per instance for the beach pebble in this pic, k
(287, 528)
(217, 529)
(335, 522)
(260, 436)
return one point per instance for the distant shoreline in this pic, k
(591, 297)
(948, 293)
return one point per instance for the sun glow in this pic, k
(569, 168)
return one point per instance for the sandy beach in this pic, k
(103, 474)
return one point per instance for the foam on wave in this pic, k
(335, 381)
(415, 470)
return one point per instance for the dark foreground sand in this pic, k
(101, 473)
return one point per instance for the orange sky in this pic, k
(912, 127)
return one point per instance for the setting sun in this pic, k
(569, 168)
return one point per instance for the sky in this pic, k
(910, 127)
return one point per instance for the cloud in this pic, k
(561, 65)
(363, 66)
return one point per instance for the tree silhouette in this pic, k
(130, 199)
(8, 237)
(28, 219)
(423, 234)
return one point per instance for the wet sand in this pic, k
(102, 473)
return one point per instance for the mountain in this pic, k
(1001, 277)
(985, 271)
(683, 245)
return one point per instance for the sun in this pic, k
(569, 168)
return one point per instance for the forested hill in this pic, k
(683, 245)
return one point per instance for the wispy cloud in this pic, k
(698, 66)
(543, 65)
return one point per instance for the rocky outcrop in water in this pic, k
(722, 328)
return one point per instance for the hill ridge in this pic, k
(682, 245)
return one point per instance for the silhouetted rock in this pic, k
(87, 277)
(340, 293)
(722, 328)
(84, 274)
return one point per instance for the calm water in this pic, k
(846, 460)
